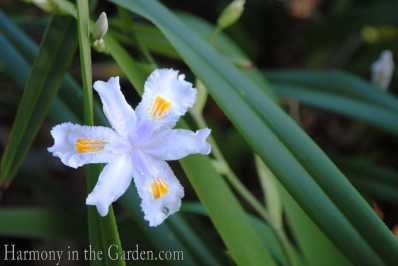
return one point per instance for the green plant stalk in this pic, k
(244, 192)
(102, 231)
(213, 36)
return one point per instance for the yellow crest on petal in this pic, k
(159, 188)
(90, 145)
(159, 108)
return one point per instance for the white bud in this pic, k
(231, 14)
(382, 70)
(101, 27)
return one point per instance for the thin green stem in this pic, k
(213, 36)
(244, 192)
(102, 231)
(229, 174)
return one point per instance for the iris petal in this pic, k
(119, 113)
(113, 181)
(167, 97)
(77, 145)
(174, 144)
(158, 188)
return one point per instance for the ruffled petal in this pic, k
(159, 189)
(113, 181)
(174, 144)
(77, 145)
(167, 97)
(119, 113)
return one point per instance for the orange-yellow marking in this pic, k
(159, 188)
(89, 145)
(159, 108)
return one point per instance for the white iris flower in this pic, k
(138, 144)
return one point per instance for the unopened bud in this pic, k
(101, 27)
(231, 14)
(382, 70)
(99, 45)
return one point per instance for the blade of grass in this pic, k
(336, 82)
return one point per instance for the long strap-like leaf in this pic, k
(55, 54)
(303, 169)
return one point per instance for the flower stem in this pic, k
(102, 231)
(214, 34)
(244, 192)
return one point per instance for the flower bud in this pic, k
(101, 27)
(231, 14)
(99, 45)
(382, 70)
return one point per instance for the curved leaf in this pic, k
(55, 54)
(302, 168)
(339, 92)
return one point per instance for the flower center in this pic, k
(159, 188)
(159, 108)
(89, 145)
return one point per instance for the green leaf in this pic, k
(42, 223)
(372, 180)
(18, 68)
(341, 93)
(270, 189)
(17, 38)
(302, 168)
(264, 231)
(222, 43)
(55, 54)
(316, 247)
(133, 71)
(151, 37)
(225, 212)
